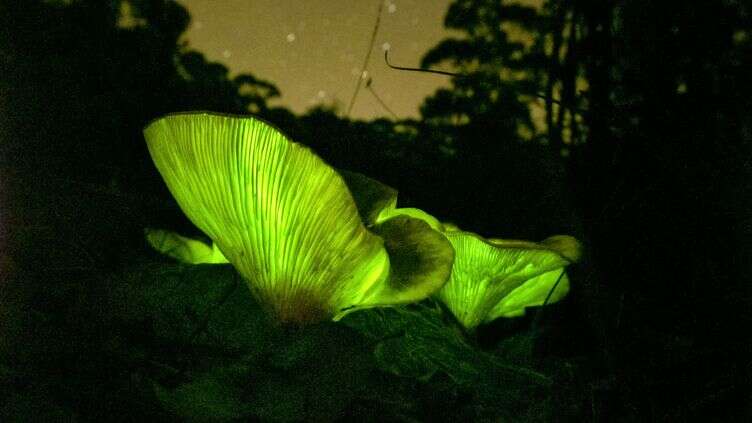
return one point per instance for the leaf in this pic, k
(313, 375)
(213, 395)
(182, 300)
(414, 341)
(401, 357)
(199, 306)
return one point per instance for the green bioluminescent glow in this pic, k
(287, 221)
(184, 249)
(500, 278)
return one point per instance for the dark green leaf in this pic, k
(215, 395)
(312, 374)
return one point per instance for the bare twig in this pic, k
(438, 72)
(459, 75)
(381, 102)
(367, 58)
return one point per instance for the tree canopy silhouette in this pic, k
(81, 77)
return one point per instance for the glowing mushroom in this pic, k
(287, 221)
(184, 249)
(499, 278)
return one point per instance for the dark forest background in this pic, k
(645, 156)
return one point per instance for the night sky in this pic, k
(313, 50)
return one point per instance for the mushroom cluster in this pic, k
(315, 243)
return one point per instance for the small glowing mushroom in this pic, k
(499, 278)
(287, 221)
(183, 249)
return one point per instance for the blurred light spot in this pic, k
(321, 94)
(127, 18)
(290, 37)
(226, 54)
(386, 46)
(392, 8)
(364, 75)
(739, 37)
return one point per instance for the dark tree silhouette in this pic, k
(486, 120)
(490, 64)
(663, 186)
(650, 101)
